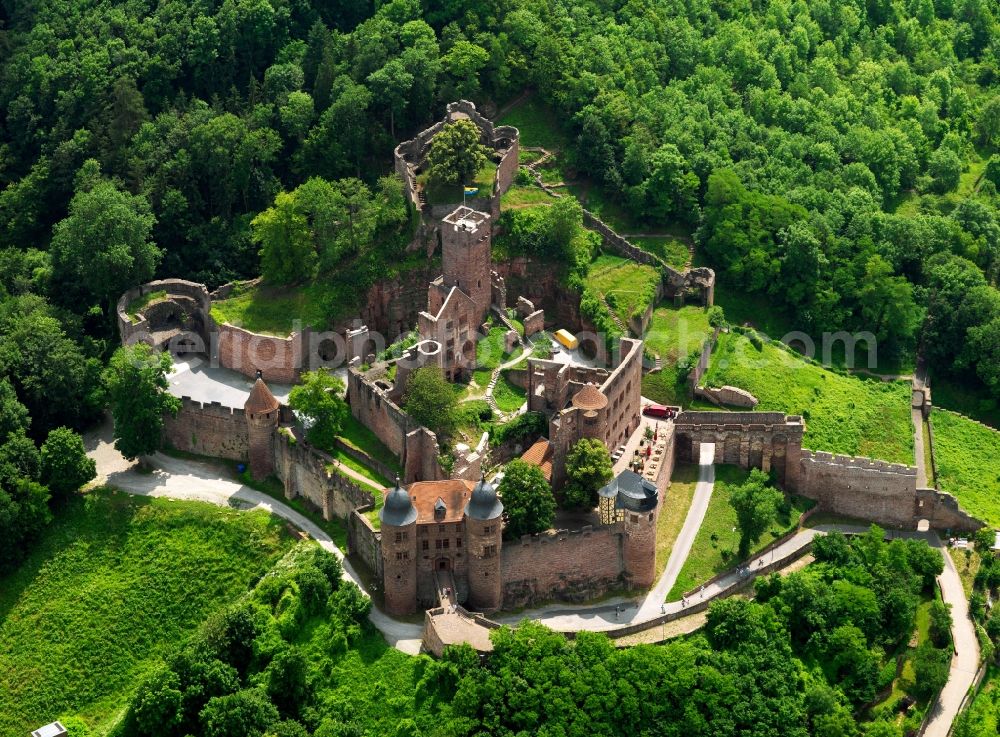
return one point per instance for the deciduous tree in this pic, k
(136, 380)
(528, 504)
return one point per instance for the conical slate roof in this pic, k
(484, 504)
(398, 509)
(260, 400)
(590, 398)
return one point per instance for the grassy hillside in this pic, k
(114, 585)
(673, 334)
(844, 414)
(629, 287)
(968, 463)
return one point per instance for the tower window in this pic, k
(426, 545)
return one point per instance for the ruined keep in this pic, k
(410, 158)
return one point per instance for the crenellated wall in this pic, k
(208, 430)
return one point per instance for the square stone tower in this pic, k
(466, 256)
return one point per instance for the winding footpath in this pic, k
(183, 479)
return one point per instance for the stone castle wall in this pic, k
(416, 447)
(208, 430)
(365, 541)
(885, 493)
(304, 470)
(676, 284)
(280, 359)
(568, 566)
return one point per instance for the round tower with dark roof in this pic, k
(262, 411)
(399, 560)
(483, 530)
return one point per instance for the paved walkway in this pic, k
(175, 478)
(685, 539)
(917, 418)
(965, 661)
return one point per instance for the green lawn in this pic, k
(115, 583)
(714, 549)
(629, 287)
(672, 250)
(273, 310)
(844, 414)
(371, 474)
(446, 194)
(509, 397)
(537, 123)
(358, 436)
(673, 511)
(529, 195)
(967, 455)
(673, 334)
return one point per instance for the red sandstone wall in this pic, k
(574, 566)
(208, 429)
(303, 470)
(365, 542)
(278, 358)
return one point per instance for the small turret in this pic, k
(399, 560)
(484, 528)
(262, 411)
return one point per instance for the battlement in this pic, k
(735, 419)
(554, 537)
(217, 409)
(858, 463)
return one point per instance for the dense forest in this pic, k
(806, 658)
(834, 156)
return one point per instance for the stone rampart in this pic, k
(415, 446)
(190, 298)
(700, 367)
(280, 359)
(208, 429)
(676, 284)
(568, 566)
(307, 472)
(365, 541)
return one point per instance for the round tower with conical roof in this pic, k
(399, 560)
(262, 411)
(483, 530)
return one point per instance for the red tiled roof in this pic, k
(454, 493)
(260, 400)
(540, 454)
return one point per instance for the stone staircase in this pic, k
(445, 582)
(507, 323)
(614, 317)
(490, 399)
